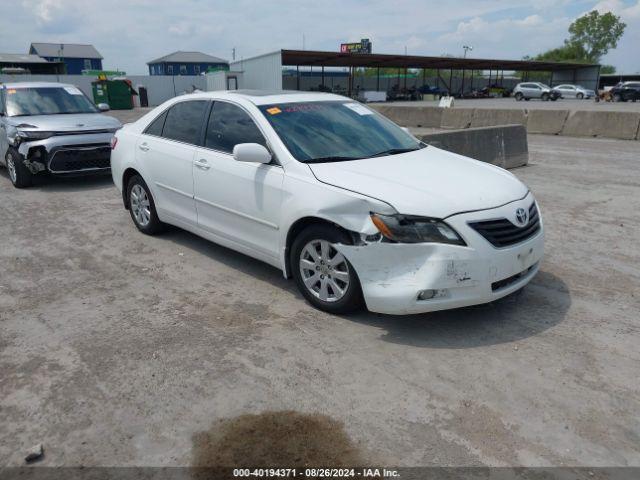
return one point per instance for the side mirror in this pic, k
(251, 152)
(103, 107)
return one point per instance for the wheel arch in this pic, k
(298, 226)
(126, 176)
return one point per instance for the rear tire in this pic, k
(19, 175)
(323, 275)
(142, 207)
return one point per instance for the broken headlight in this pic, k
(412, 229)
(33, 135)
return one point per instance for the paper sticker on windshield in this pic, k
(73, 90)
(274, 110)
(359, 109)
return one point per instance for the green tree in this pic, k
(607, 69)
(596, 34)
(591, 37)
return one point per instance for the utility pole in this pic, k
(303, 42)
(233, 53)
(466, 49)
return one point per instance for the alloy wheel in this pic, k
(140, 205)
(325, 271)
(11, 167)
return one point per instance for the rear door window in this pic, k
(184, 121)
(230, 125)
(155, 128)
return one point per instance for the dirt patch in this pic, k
(275, 439)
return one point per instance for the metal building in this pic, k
(265, 71)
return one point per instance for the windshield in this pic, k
(47, 101)
(335, 131)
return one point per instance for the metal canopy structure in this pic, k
(376, 60)
(561, 71)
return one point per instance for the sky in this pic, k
(129, 33)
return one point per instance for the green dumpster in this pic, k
(117, 93)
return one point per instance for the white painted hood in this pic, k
(429, 182)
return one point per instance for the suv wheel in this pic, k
(322, 274)
(519, 96)
(617, 97)
(142, 207)
(19, 175)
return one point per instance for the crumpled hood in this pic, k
(429, 182)
(67, 122)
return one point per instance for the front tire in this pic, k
(19, 175)
(142, 207)
(323, 275)
(580, 96)
(617, 98)
(519, 96)
(544, 97)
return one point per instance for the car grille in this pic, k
(503, 233)
(81, 158)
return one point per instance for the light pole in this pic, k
(466, 49)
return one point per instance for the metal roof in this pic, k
(20, 58)
(70, 50)
(187, 57)
(338, 59)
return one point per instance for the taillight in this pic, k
(114, 142)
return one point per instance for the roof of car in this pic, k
(36, 85)
(269, 97)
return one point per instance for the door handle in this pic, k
(144, 147)
(202, 164)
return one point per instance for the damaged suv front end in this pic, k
(52, 128)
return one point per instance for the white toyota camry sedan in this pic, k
(355, 209)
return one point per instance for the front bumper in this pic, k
(69, 154)
(393, 274)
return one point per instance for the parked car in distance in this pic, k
(353, 207)
(625, 91)
(529, 90)
(574, 91)
(52, 128)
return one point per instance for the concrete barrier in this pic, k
(505, 146)
(550, 122)
(430, 117)
(489, 117)
(622, 125)
(456, 117)
(584, 123)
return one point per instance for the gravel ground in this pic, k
(123, 349)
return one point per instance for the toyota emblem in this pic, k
(522, 217)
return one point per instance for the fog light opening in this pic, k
(430, 294)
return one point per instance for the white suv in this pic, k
(529, 90)
(353, 207)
